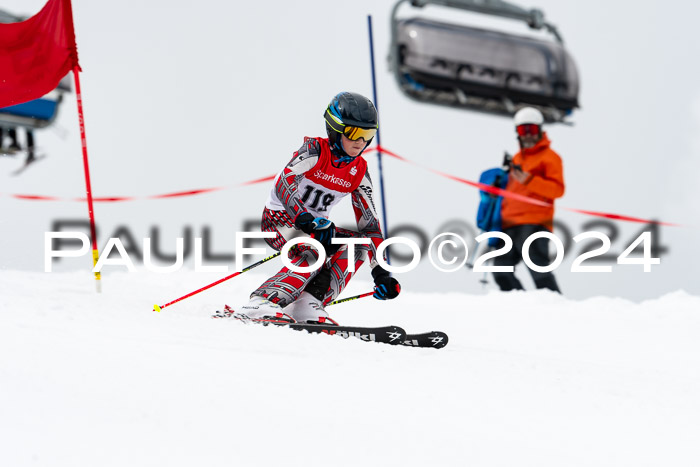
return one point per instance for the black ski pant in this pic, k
(539, 254)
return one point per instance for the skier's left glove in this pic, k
(320, 228)
(385, 286)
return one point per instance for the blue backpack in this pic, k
(488, 217)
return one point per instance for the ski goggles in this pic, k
(528, 129)
(353, 133)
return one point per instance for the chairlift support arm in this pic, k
(534, 17)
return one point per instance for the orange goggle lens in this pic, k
(528, 129)
(354, 133)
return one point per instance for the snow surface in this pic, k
(528, 379)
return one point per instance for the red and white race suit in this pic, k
(313, 182)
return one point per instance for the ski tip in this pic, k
(156, 308)
(433, 339)
(440, 340)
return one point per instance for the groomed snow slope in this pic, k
(528, 379)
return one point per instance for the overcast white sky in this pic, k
(191, 95)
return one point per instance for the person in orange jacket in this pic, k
(536, 172)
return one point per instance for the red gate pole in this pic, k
(86, 166)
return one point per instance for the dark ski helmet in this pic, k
(351, 114)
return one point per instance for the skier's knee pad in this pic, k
(301, 253)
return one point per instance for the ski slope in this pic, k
(528, 379)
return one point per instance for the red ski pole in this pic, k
(160, 307)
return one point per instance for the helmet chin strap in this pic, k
(340, 156)
(344, 159)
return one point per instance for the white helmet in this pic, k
(528, 115)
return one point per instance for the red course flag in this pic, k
(37, 53)
(34, 56)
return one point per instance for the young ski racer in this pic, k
(321, 173)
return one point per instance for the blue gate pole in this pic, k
(379, 152)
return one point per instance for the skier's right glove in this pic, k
(320, 228)
(385, 286)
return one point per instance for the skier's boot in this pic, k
(260, 309)
(308, 309)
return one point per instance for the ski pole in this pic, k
(470, 261)
(343, 300)
(158, 308)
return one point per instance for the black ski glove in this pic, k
(385, 286)
(320, 228)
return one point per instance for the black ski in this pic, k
(434, 339)
(393, 335)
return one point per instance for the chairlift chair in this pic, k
(38, 113)
(35, 114)
(483, 70)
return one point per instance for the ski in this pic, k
(392, 335)
(434, 339)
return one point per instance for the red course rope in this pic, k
(507, 194)
(480, 186)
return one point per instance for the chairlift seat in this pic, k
(38, 113)
(483, 69)
(33, 114)
(40, 109)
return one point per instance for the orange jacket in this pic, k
(546, 183)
